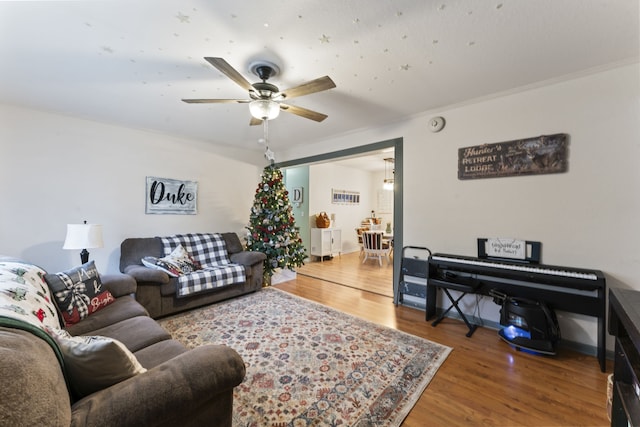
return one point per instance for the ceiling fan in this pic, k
(266, 100)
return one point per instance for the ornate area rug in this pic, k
(311, 365)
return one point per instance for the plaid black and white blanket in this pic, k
(210, 250)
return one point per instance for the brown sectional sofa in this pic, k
(157, 290)
(180, 387)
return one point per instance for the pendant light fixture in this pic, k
(389, 171)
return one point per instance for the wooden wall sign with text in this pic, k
(532, 156)
(171, 196)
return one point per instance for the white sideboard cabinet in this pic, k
(326, 242)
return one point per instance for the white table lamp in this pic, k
(83, 236)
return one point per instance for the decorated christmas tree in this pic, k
(272, 227)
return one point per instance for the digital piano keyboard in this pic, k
(574, 290)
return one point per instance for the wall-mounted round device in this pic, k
(436, 124)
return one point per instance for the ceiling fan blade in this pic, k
(313, 86)
(303, 112)
(226, 69)
(255, 122)
(216, 101)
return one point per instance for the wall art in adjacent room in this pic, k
(171, 196)
(532, 156)
(344, 197)
(297, 195)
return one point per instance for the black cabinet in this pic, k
(624, 323)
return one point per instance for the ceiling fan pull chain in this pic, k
(268, 154)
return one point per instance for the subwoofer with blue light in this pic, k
(529, 325)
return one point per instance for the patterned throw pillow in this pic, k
(158, 264)
(175, 264)
(24, 295)
(94, 362)
(78, 292)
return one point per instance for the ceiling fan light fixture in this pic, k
(264, 109)
(265, 98)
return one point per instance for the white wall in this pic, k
(324, 177)
(587, 217)
(56, 170)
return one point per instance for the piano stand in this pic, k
(454, 303)
(568, 289)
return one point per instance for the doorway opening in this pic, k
(382, 149)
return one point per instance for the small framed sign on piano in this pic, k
(510, 250)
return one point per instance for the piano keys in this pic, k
(569, 289)
(521, 267)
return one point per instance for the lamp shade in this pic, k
(83, 236)
(264, 109)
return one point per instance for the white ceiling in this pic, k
(131, 62)
(373, 161)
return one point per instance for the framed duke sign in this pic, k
(171, 196)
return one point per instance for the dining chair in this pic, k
(359, 232)
(375, 246)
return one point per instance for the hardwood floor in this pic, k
(484, 381)
(349, 270)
